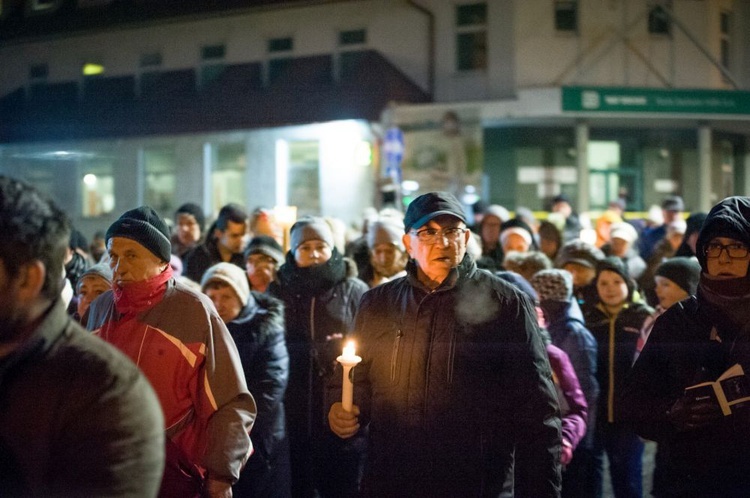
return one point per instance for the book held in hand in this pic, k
(730, 391)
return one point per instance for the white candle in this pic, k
(348, 360)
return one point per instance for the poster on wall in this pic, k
(448, 157)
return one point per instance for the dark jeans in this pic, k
(624, 450)
(579, 479)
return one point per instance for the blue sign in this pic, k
(393, 153)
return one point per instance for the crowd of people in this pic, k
(500, 354)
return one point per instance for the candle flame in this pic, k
(349, 349)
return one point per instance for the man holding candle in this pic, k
(454, 376)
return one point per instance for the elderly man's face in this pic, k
(437, 257)
(131, 262)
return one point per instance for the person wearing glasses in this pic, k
(696, 340)
(454, 382)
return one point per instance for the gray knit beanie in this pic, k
(386, 231)
(230, 274)
(100, 270)
(310, 228)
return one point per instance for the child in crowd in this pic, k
(615, 322)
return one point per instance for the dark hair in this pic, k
(230, 212)
(34, 229)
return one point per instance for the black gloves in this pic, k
(688, 414)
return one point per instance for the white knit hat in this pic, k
(230, 274)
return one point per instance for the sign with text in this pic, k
(621, 100)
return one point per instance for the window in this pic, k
(280, 45)
(98, 188)
(354, 37)
(213, 63)
(658, 21)
(228, 174)
(471, 36)
(725, 30)
(38, 5)
(160, 182)
(566, 16)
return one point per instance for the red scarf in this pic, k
(139, 296)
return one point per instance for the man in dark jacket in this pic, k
(454, 375)
(256, 323)
(225, 241)
(694, 341)
(76, 416)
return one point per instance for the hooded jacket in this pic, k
(695, 341)
(452, 381)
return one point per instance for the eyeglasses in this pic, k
(735, 251)
(430, 236)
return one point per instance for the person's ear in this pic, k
(31, 280)
(406, 239)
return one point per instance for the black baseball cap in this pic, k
(431, 205)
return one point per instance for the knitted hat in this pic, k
(684, 272)
(429, 206)
(100, 270)
(498, 212)
(515, 226)
(230, 274)
(263, 244)
(145, 226)
(195, 211)
(310, 228)
(616, 265)
(386, 231)
(553, 285)
(624, 231)
(579, 252)
(673, 203)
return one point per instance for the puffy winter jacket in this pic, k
(452, 381)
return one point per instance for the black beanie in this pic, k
(146, 227)
(616, 265)
(196, 211)
(684, 272)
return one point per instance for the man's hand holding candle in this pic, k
(343, 423)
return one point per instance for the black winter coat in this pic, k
(616, 338)
(451, 380)
(203, 256)
(258, 333)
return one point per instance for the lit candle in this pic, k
(348, 360)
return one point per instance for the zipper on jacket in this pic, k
(312, 319)
(394, 354)
(451, 356)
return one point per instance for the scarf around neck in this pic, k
(139, 296)
(728, 302)
(312, 280)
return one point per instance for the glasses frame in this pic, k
(452, 234)
(729, 248)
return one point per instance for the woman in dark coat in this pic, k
(256, 323)
(696, 340)
(321, 295)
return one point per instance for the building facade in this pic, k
(108, 104)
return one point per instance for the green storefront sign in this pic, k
(620, 100)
